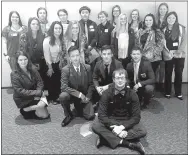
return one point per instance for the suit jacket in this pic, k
(25, 89)
(92, 31)
(69, 82)
(114, 43)
(146, 75)
(99, 74)
(108, 107)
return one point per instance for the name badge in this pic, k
(72, 43)
(92, 30)
(106, 30)
(175, 44)
(14, 34)
(91, 27)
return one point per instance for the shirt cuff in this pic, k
(80, 95)
(139, 84)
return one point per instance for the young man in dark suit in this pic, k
(89, 28)
(119, 116)
(102, 75)
(141, 76)
(77, 87)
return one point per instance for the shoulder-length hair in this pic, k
(115, 6)
(154, 25)
(40, 35)
(118, 26)
(175, 29)
(42, 8)
(131, 20)
(51, 33)
(10, 15)
(29, 65)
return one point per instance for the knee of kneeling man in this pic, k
(144, 132)
(64, 96)
(95, 127)
(149, 88)
(90, 117)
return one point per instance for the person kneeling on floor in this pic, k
(119, 116)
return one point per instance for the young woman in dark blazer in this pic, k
(28, 89)
(174, 54)
(123, 40)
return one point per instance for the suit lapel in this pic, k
(140, 68)
(112, 67)
(83, 74)
(101, 67)
(74, 73)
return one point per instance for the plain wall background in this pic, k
(29, 9)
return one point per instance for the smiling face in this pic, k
(136, 55)
(84, 15)
(171, 19)
(75, 29)
(134, 15)
(22, 61)
(148, 21)
(119, 80)
(102, 18)
(163, 10)
(42, 14)
(14, 18)
(57, 30)
(75, 57)
(123, 20)
(63, 16)
(34, 25)
(107, 56)
(116, 12)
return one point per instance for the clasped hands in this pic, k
(100, 89)
(84, 99)
(119, 130)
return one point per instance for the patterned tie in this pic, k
(135, 72)
(86, 31)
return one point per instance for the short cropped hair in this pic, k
(84, 8)
(136, 48)
(62, 10)
(120, 71)
(103, 12)
(72, 48)
(105, 47)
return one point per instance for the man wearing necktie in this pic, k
(102, 74)
(89, 28)
(119, 116)
(76, 87)
(141, 76)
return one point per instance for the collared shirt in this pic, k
(108, 66)
(76, 68)
(122, 92)
(136, 70)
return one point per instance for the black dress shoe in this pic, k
(98, 142)
(138, 147)
(66, 121)
(168, 96)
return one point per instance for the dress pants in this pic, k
(146, 93)
(177, 64)
(138, 131)
(83, 109)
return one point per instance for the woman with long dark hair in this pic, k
(174, 54)
(116, 11)
(12, 35)
(34, 41)
(55, 56)
(28, 89)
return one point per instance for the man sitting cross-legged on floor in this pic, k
(141, 76)
(77, 87)
(102, 75)
(119, 115)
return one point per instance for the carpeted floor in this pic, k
(165, 120)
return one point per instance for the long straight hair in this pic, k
(10, 15)
(118, 26)
(68, 34)
(116, 6)
(131, 20)
(51, 33)
(40, 36)
(158, 13)
(175, 29)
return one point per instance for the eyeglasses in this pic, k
(115, 10)
(120, 78)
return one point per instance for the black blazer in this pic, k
(99, 74)
(92, 31)
(69, 81)
(146, 75)
(140, 25)
(114, 43)
(25, 89)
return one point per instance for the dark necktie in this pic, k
(86, 31)
(122, 92)
(106, 71)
